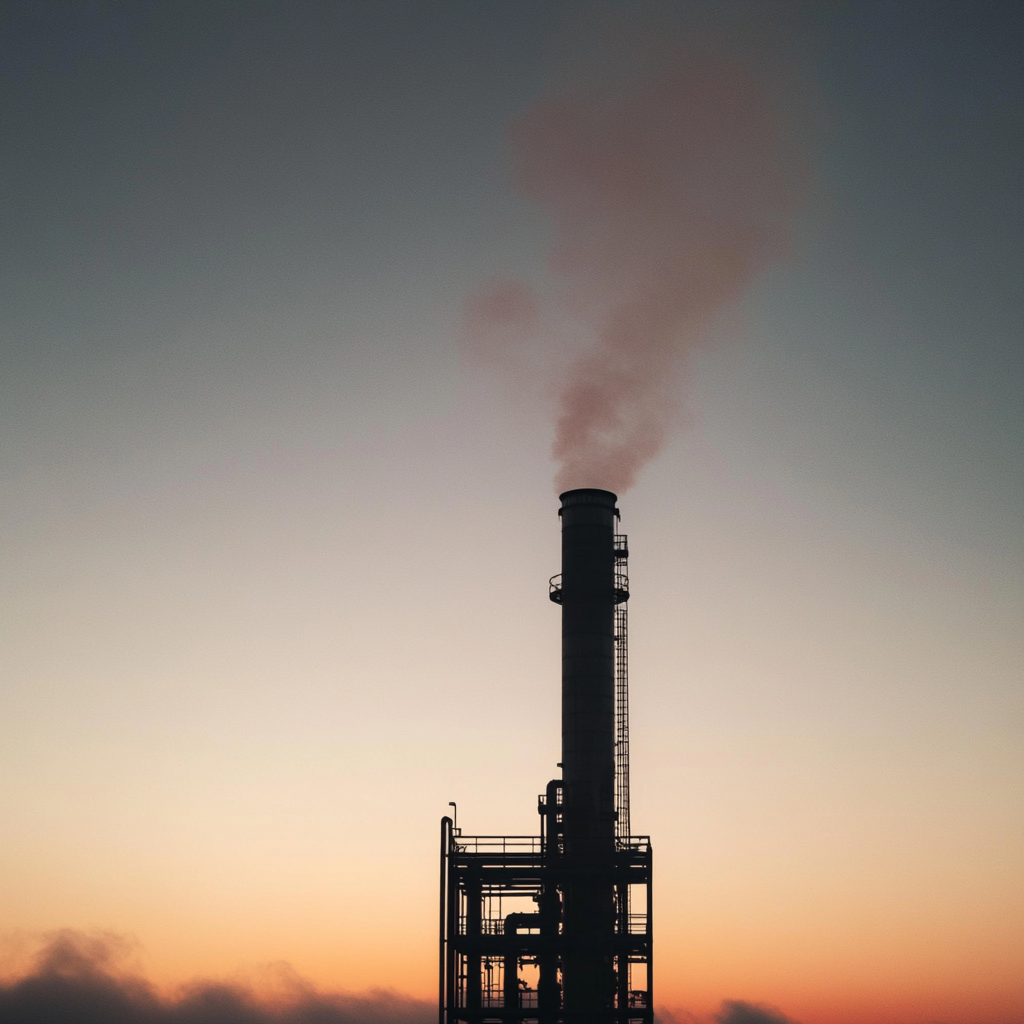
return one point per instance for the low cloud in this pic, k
(735, 1011)
(82, 979)
(79, 978)
(732, 1011)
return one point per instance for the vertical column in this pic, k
(474, 915)
(445, 945)
(510, 972)
(588, 751)
(549, 991)
(622, 941)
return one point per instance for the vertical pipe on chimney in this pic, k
(588, 748)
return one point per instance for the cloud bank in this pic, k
(735, 1011)
(83, 979)
(732, 1011)
(80, 979)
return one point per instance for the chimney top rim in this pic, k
(588, 496)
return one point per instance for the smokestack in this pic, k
(556, 928)
(588, 748)
(588, 667)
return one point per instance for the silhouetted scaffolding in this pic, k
(501, 938)
(558, 928)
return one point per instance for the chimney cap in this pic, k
(588, 496)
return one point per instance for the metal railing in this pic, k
(620, 590)
(640, 844)
(498, 844)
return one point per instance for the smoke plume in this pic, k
(80, 979)
(670, 182)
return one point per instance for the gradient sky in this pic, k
(275, 559)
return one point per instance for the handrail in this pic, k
(620, 589)
(494, 844)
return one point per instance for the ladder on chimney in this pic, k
(622, 828)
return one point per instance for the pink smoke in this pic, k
(667, 197)
(501, 315)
